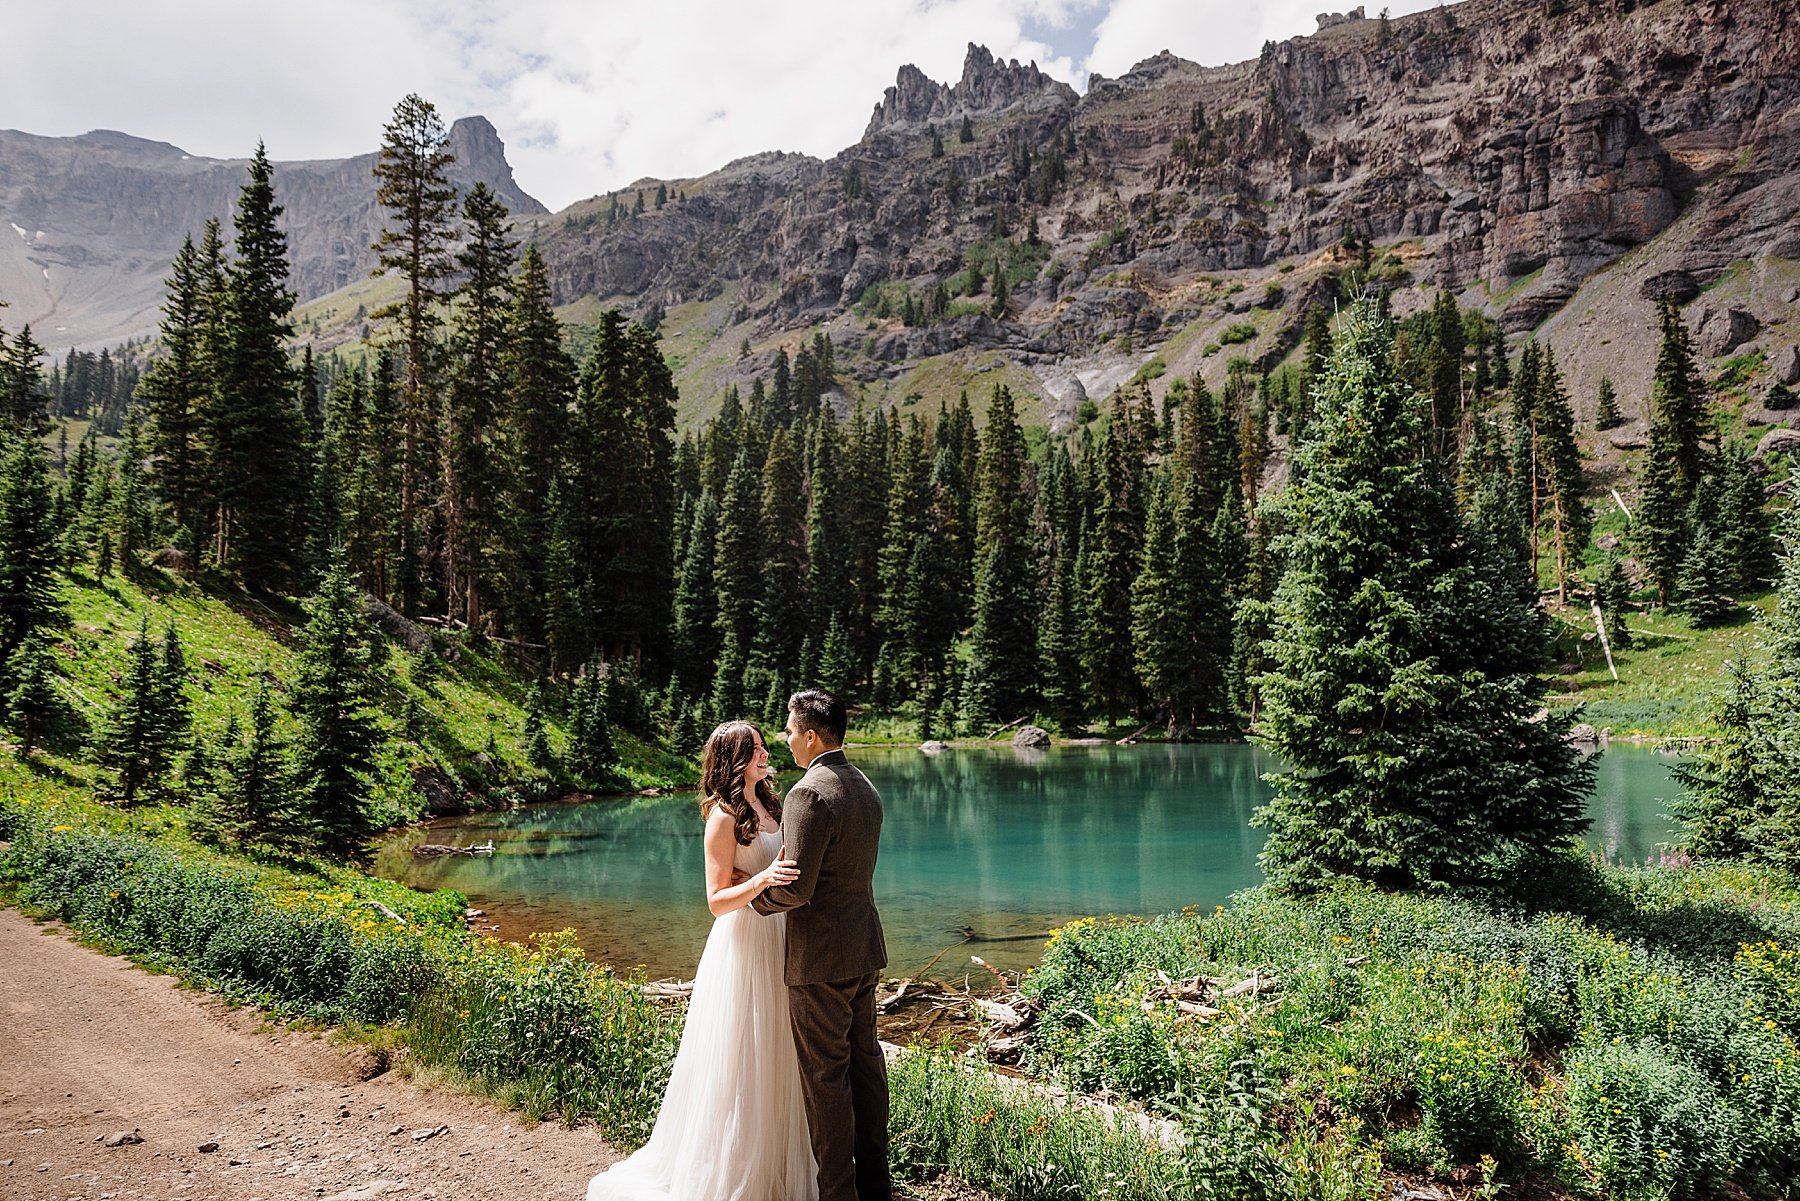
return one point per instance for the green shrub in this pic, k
(950, 1116)
(1242, 331)
(1471, 1094)
(326, 953)
(562, 1035)
(1647, 1124)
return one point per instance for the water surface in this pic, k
(996, 844)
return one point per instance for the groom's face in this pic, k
(802, 742)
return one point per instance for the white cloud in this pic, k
(588, 95)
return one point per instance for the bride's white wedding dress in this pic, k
(732, 1125)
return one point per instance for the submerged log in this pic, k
(430, 850)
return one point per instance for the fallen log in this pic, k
(431, 850)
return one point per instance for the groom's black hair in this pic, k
(818, 710)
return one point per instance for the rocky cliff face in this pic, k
(1511, 150)
(986, 86)
(96, 220)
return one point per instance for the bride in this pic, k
(732, 1125)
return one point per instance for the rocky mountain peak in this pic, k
(988, 85)
(480, 154)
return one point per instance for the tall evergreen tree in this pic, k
(414, 187)
(1746, 534)
(538, 378)
(28, 546)
(1741, 792)
(135, 746)
(781, 609)
(738, 578)
(32, 703)
(24, 401)
(1404, 691)
(336, 699)
(254, 434)
(1114, 549)
(177, 386)
(472, 474)
(1559, 459)
(618, 504)
(1000, 679)
(694, 624)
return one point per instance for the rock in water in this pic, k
(933, 747)
(1031, 736)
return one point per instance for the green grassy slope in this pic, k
(460, 709)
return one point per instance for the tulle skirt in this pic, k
(733, 1123)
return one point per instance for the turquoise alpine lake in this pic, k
(986, 847)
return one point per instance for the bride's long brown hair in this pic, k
(727, 753)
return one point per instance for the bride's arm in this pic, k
(722, 896)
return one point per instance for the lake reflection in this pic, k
(1001, 843)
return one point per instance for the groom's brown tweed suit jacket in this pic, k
(831, 823)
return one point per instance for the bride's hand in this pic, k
(782, 871)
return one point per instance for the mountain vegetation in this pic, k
(280, 598)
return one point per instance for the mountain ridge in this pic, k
(100, 215)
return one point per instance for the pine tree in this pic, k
(1059, 646)
(781, 610)
(253, 805)
(23, 399)
(415, 189)
(1703, 582)
(1680, 399)
(1553, 424)
(133, 747)
(1404, 691)
(255, 433)
(173, 711)
(472, 474)
(1114, 548)
(1613, 593)
(967, 133)
(28, 546)
(1746, 534)
(32, 703)
(839, 670)
(336, 699)
(738, 579)
(592, 754)
(1162, 623)
(1000, 680)
(694, 624)
(177, 386)
(1741, 792)
(130, 518)
(618, 505)
(1606, 410)
(537, 734)
(539, 381)
(1659, 528)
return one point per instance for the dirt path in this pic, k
(91, 1046)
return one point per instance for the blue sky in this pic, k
(588, 94)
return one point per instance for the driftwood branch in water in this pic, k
(430, 850)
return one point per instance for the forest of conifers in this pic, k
(963, 572)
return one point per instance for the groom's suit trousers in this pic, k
(843, 1076)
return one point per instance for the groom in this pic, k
(831, 823)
